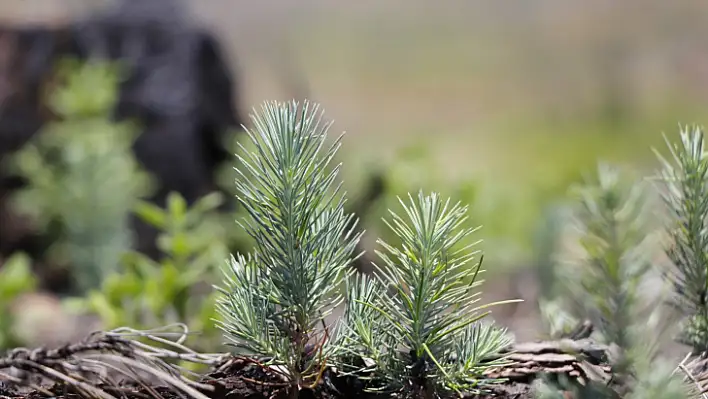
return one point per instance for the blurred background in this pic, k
(502, 105)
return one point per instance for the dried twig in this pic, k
(88, 366)
(96, 366)
(696, 371)
(581, 360)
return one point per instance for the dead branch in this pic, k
(582, 360)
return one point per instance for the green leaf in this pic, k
(207, 203)
(177, 209)
(152, 214)
(16, 277)
(139, 264)
(109, 314)
(161, 291)
(180, 246)
(119, 287)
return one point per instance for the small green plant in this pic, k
(425, 334)
(82, 174)
(604, 283)
(16, 278)
(146, 294)
(277, 297)
(685, 181)
(686, 196)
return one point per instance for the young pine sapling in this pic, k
(277, 297)
(685, 178)
(686, 196)
(418, 321)
(605, 282)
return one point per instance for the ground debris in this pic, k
(104, 365)
(581, 360)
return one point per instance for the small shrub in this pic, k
(82, 174)
(146, 294)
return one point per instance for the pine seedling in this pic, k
(428, 330)
(605, 281)
(685, 177)
(686, 196)
(276, 297)
(614, 256)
